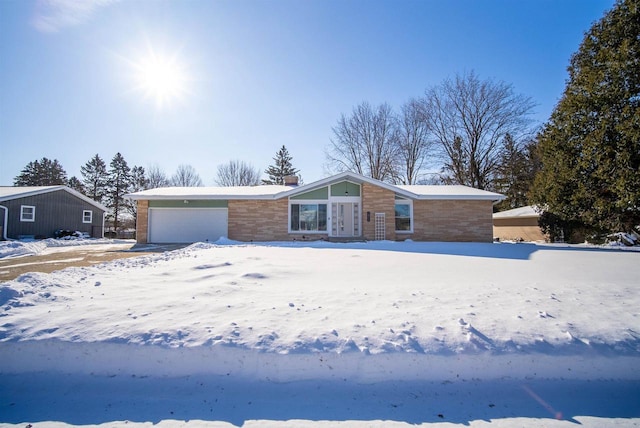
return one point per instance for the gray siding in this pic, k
(53, 211)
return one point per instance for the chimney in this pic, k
(291, 180)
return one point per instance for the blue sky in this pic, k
(251, 76)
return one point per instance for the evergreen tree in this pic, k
(119, 184)
(76, 184)
(139, 182)
(515, 172)
(590, 148)
(44, 172)
(282, 168)
(95, 178)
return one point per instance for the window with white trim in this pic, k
(404, 216)
(308, 217)
(87, 216)
(27, 213)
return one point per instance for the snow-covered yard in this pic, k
(365, 334)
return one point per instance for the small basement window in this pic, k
(27, 213)
(87, 216)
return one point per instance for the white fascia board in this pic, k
(23, 192)
(40, 190)
(495, 197)
(346, 176)
(136, 197)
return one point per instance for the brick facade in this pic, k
(433, 220)
(452, 220)
(377, 200)
(262, 220)
(142, 222)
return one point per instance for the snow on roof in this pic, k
(450, 192)
(8, 193)
(522, 212)
(12, 192)
(232, 192)
(276, 191)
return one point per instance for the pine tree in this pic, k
(281, 169)
(119, 184)
(515, 173)
(76, 184)
(590, 148)
(139, 182)
(95, 178)
(44, 172)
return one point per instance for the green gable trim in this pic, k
(318, 194)
(192, 204)
(345, 188)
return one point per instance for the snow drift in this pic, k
(367, 312)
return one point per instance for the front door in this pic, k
(345, 219)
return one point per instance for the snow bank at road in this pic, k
(111, 359)
(33, 248)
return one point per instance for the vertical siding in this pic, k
(54, 210)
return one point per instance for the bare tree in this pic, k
(186, 176)
(237, 173)
(470, 118)
(156, 177)
(414, 145)
(365, 143)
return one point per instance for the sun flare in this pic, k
(161, 78)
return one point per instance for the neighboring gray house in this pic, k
(40, 211)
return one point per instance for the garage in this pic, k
(186, 225)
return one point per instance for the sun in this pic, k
(161, 78)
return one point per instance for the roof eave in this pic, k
(135, 197)
(49, 189)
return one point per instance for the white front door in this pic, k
(345, 219)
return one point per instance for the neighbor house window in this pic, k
(403, 216)
(87, 216)
(308, 217)
(27, 213)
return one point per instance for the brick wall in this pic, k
(377, 200)
(452, 220)
(260, 220)
(142, 222)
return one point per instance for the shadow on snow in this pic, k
(86, 399)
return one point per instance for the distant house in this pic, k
(345, 206)
(518, 224)
(38, 212)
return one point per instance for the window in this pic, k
(87, 216)
(27, 213)
(403, 216)
(308, 217)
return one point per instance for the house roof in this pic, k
(522, 212)
(277, 192)
(233, 192)
(9, 193)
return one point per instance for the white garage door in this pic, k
(181, 225)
